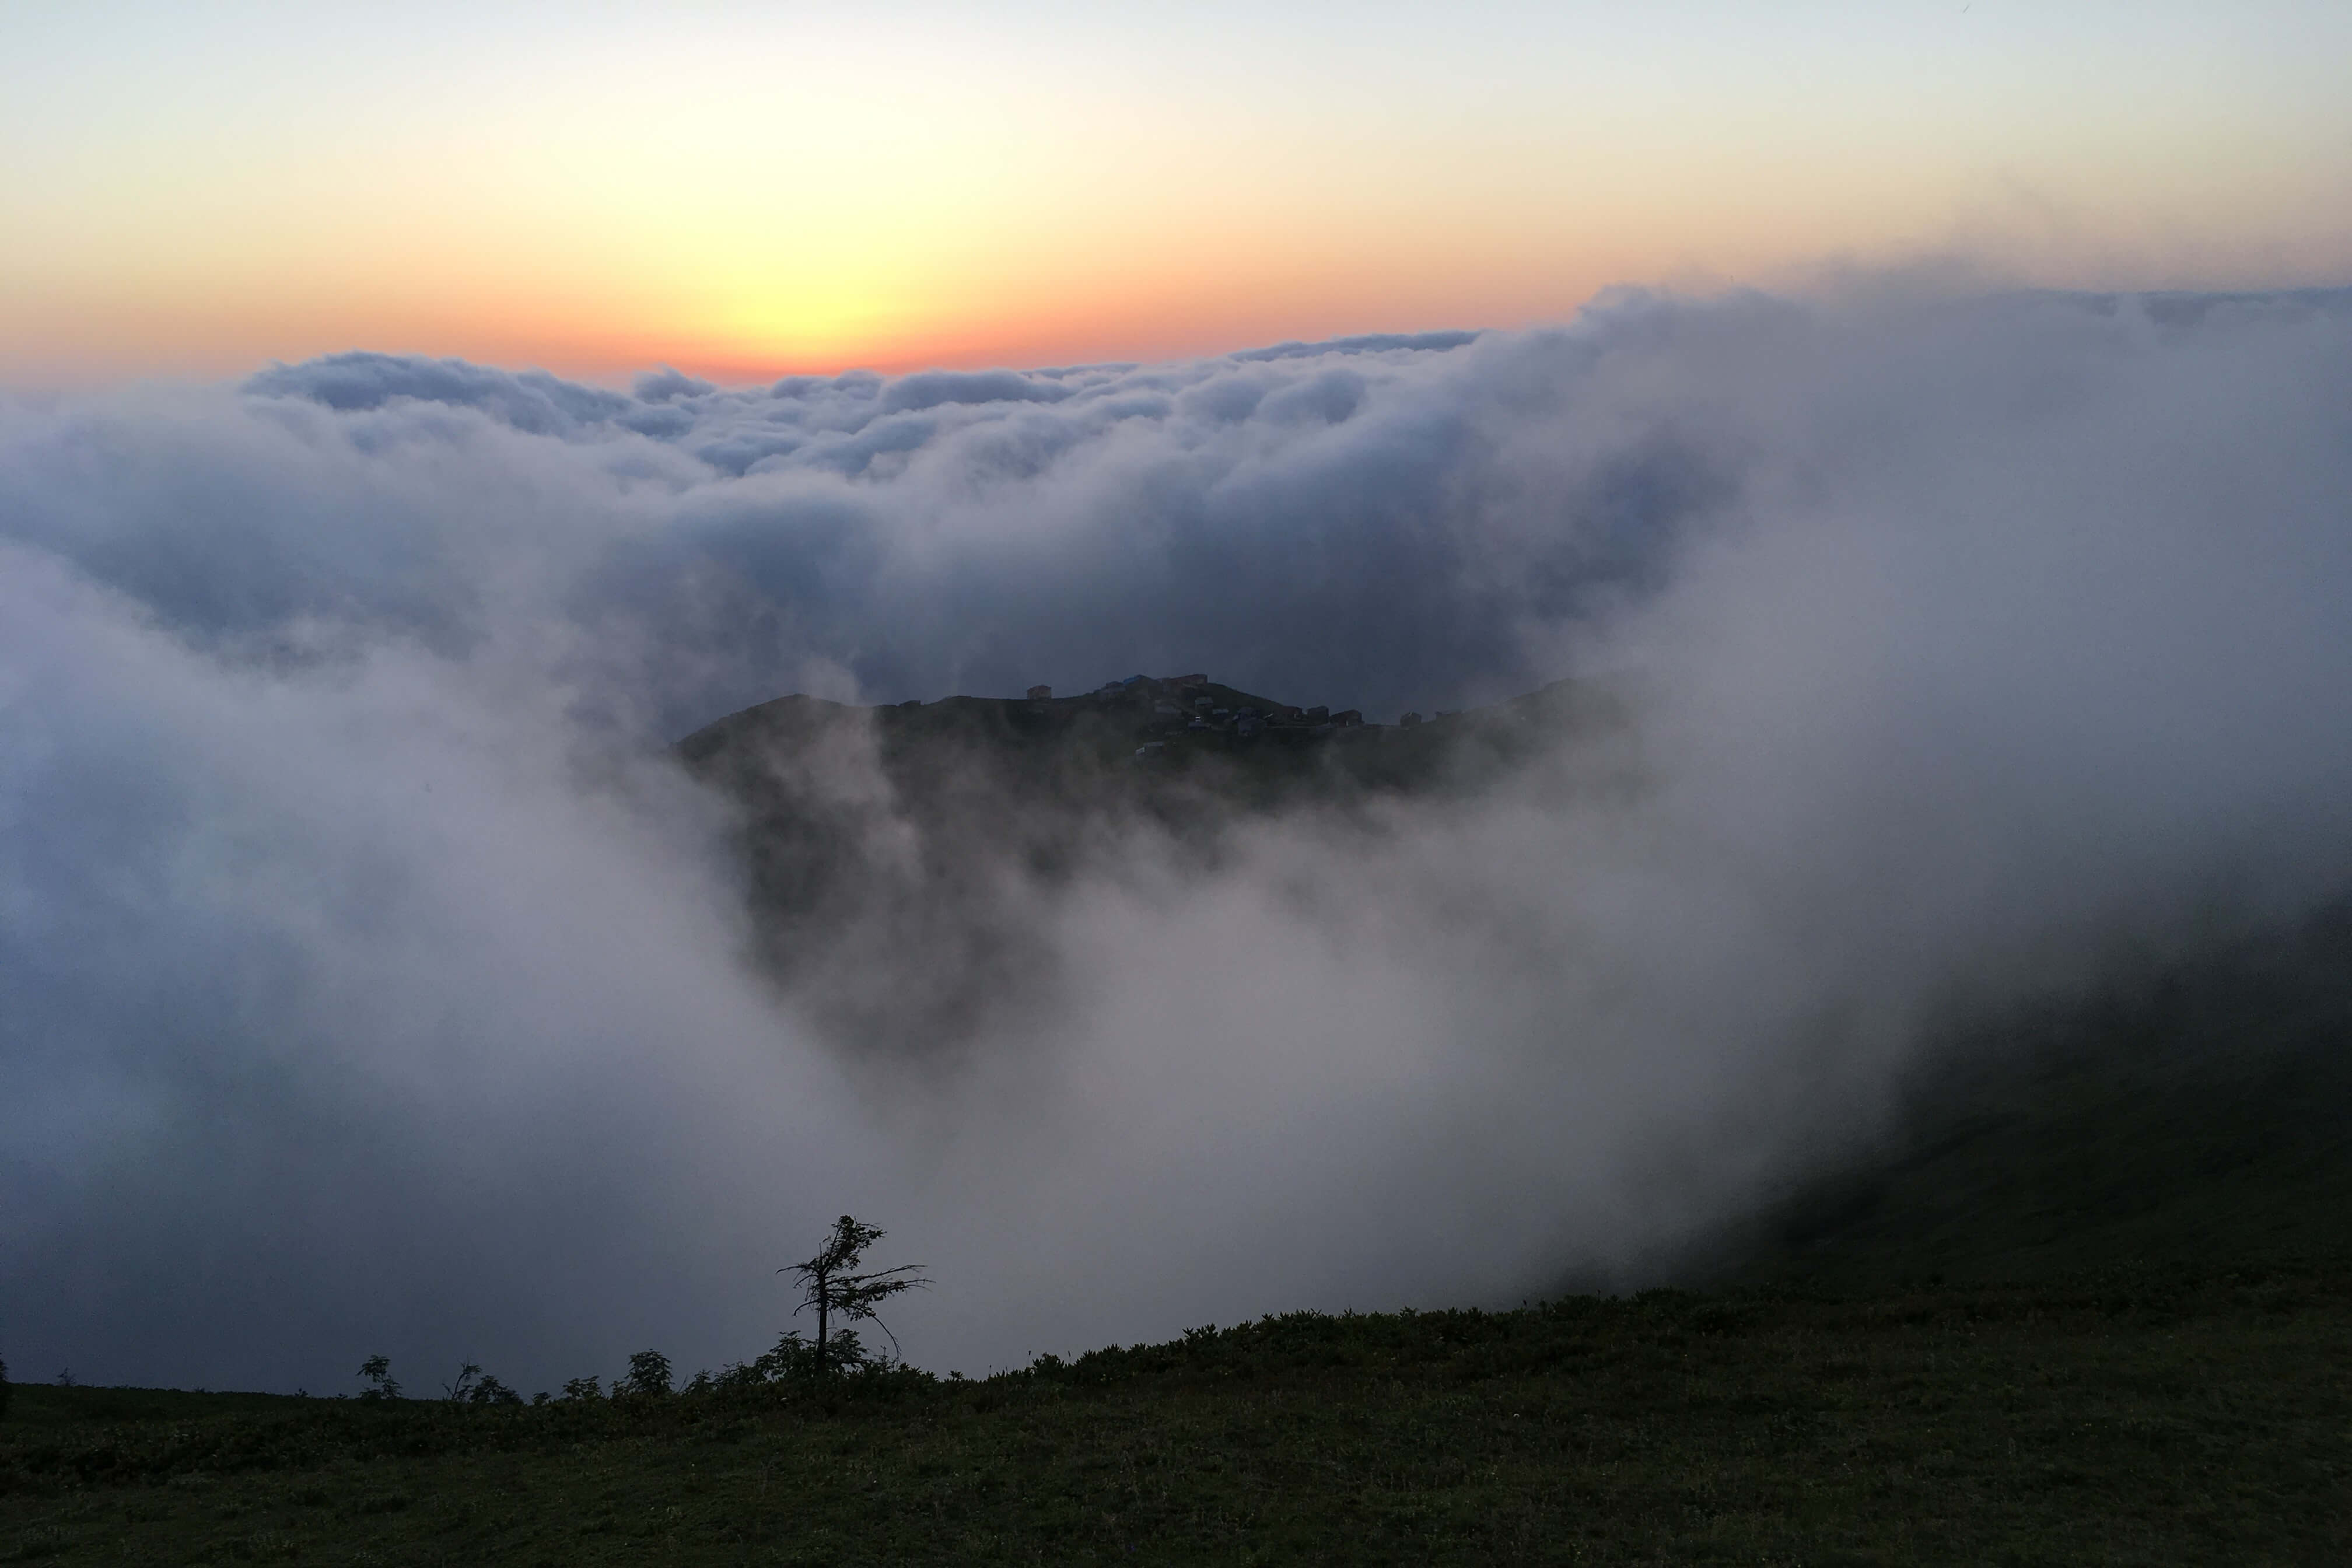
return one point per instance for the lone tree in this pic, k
(834, 1286)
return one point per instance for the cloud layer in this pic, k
(373, 978)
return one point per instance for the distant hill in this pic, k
(1161, 747)
(868, 834)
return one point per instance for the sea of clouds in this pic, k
(373, 979)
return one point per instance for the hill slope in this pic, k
(2141, 1419)
(2203, 1113)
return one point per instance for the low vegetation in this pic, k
(2149, 1417)
(2200, 1112)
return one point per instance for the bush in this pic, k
(796, 1358)
(648, 1376)
(377, 1370)
(490, 1391)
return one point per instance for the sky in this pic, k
(748, 191)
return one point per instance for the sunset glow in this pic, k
(742, 195)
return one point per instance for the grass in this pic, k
(2202, 1111)
(2132, 1416)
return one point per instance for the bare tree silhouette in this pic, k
(831, 1284)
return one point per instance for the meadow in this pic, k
(2156, 1415)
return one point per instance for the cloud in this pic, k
(532, 400)
(1368, 344)
(929, 389)
(661, 385)
(376, 982)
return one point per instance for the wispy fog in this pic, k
(372, 979)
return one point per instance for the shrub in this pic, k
(648, 1375)
(796, 1358)
(741, 1377)
(377, 1370)
(490, 1391)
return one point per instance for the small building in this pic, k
(1347, 718)
(1316, 715)
(1409, 720)
(1041, 694)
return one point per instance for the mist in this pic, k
(376, 980)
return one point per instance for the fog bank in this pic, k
(375, 980)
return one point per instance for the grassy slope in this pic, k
(2138, 1418)
(2204, 1112)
